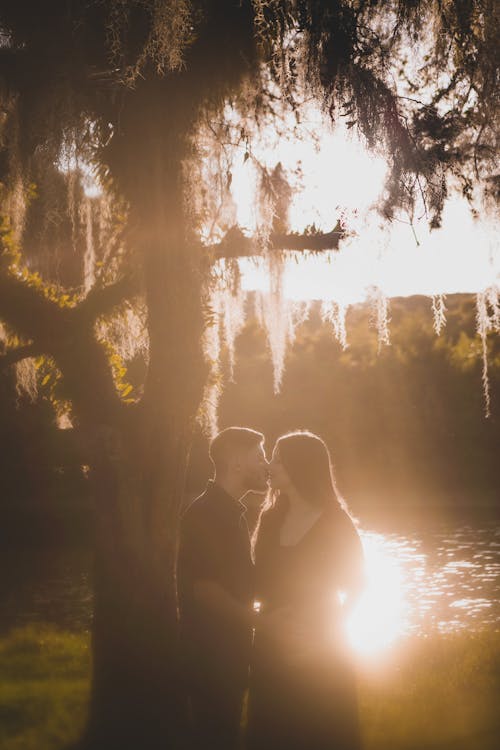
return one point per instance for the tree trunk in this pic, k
(137, 698)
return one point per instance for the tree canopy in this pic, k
(91, 91)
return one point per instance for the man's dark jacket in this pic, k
(214, 546)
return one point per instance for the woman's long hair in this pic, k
(306, 459)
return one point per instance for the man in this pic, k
(215, 583)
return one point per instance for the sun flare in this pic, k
(379, 617)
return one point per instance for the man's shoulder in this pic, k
(195, 507)
(199, 510)
(196, 526)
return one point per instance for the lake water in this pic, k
(446, 579)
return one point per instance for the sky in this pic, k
(334, 175)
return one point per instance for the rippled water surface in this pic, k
(446, 579)
(443, 580)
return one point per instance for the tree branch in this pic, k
(236, 245)
(101, 300)
(29, 312)
(63, 333)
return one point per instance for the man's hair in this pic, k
(231, 440)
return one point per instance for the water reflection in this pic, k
(417, 584)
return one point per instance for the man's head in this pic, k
(237, 454)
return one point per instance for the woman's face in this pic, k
(278, 475)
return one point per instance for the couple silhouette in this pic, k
(265, 664)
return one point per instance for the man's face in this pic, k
(254, 469)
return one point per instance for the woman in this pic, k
(309, 570)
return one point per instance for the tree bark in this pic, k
(137, 699)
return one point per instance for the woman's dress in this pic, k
(305, 701)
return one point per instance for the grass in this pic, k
(439, 692)
(434, 693)
(44, 686)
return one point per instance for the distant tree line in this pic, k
(406, 424)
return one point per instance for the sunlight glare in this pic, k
(380, 615)
(332, 176)
(328, 170)
(462, 257)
